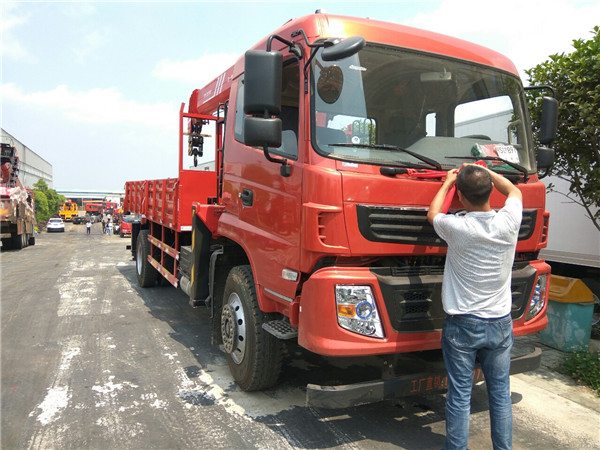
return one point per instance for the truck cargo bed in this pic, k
(168, 202)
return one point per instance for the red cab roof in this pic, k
(319, 26)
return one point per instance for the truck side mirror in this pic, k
(335, 50)
(262, 101)
(262, 83)
(259, 132)
(549, 120)
(545, 158)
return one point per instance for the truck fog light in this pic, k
(538, 300)
(356, 310)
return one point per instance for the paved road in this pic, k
(90, 360)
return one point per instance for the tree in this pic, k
(576, 80)
(41, 206)
(48, 201)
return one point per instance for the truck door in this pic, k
(267, 203)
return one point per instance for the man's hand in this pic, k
(451, 176)
(438, 201)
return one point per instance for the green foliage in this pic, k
(41, 206)
(584, 367)
(576, 80)
(41, 185)
(47, 201)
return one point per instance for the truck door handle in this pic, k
(247, 197)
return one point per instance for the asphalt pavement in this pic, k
(90, 360)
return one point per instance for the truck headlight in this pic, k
(357, 311)
(538, 300)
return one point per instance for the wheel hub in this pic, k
(233, 328)
(227, 328)
(139, 259)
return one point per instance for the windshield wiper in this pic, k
(404, 168)
(515, 166)
(432, 162)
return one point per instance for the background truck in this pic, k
(331, 136)
(110, 207)
(126, 222)
(573, 249)
(93, 209)
(17, 208)
(68, 210)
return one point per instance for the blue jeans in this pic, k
(464, 339)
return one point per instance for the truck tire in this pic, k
(146, 273)
(254, 356)
(32, 239)
(17, 241)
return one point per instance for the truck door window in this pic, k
(290, 100)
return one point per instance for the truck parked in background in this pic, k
(573, 249)
(110, 207)
(126, 222)
(331, 136)
(68, 210)
(93, 209)
(17, 208)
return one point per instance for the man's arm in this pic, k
(438, 201)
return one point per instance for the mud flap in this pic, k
(346, 396)
(200, 273)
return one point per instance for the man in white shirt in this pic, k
(477, 299)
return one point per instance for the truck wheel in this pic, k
(32, 240)
(254, 356)
(146, 273)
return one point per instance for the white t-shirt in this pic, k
(481, 252)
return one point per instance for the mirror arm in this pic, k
(541, 87)
(313, 52)
(285, 169)
(306, 66)
(293, 47)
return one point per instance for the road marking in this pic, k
(59, 394)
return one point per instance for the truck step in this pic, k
(280, 329)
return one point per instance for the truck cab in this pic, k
(365, 137)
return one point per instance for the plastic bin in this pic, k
(570, 311)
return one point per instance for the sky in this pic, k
(95, 87)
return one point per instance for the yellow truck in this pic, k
(68, 210)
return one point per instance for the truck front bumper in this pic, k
(433, 379)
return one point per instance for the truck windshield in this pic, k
(377, 104)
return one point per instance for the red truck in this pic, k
(125, 223)
(331, 136)
(94, 209)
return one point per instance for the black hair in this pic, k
(475, 183)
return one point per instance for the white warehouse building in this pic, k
(33, 166)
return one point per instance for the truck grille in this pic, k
(410, 226)
(413, 295)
